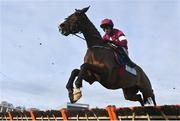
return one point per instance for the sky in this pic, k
(36, 60)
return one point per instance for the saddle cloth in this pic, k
(131, 70)
(123, 65)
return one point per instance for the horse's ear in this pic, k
(78, 11)
(84, 10)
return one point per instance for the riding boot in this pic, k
(126, 57)
(129, 62)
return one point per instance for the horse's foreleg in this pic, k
(83, 75)
(74, 73)
(69, 85)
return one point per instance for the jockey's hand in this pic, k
(110, 42)
(105, 41)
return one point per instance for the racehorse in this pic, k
(100, 65)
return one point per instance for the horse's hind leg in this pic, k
(153, 99)
(69, 85)
(146, 89)
(149, 98)
(131, 94)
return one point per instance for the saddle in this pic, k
(124, 66)
(124, 61)
(122, 58)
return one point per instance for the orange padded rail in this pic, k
(32, 116)
(10, 116)
(112, 113)
(64, 114)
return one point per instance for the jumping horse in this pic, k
(100, 65)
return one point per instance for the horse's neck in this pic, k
(92, 36)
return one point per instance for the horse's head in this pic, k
(73, 24)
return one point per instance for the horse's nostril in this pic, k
(59, 28)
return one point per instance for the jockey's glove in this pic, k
(111, 42)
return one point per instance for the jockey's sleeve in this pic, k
(105, 39)
(122, 43)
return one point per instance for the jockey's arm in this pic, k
(121, 41)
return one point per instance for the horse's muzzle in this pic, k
(65, 33)
(60, 29)
(62, 32)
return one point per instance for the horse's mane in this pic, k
(90, 32)
(90, 28)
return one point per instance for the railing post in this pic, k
(64, 114)
(10, 116)
(32, 116)
(112, 113)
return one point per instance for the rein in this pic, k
(79, 36)
(96, 46)
(85, 39)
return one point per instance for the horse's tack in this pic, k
(98, 46)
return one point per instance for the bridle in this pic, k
(79, 36)
(76, 27)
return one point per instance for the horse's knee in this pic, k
(133, 97)
(81, 75)
(84, 66)
(75, 72)
(69, 86)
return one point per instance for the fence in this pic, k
(166, 112)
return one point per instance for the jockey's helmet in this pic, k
(106, 22)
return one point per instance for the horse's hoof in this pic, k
(71, 97)
(76, 94)
(72, 101)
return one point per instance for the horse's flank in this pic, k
(107, 62)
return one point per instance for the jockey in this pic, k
(117, 39)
